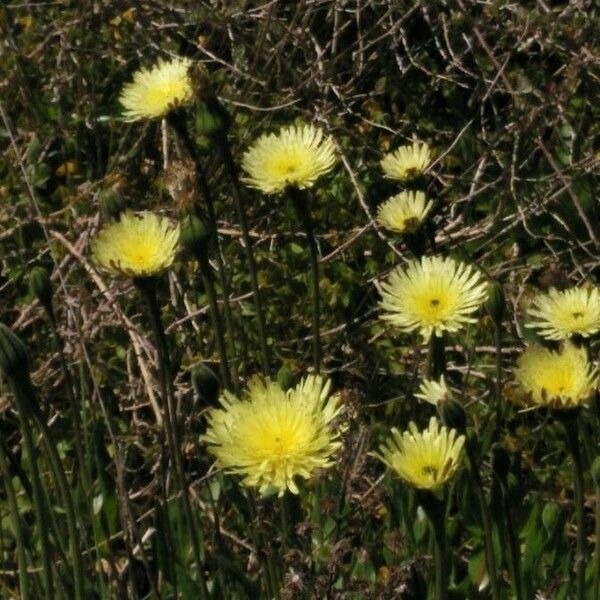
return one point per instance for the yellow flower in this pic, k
(404, 211)
(559, 315)
(271, 437)
(556, 379)
(407, 161)
(433, 391)
(297, 156)
(432, 295)
(424, 459)
(136, 245)
(154, 92)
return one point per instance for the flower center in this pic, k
(430, 470)
(577, 315)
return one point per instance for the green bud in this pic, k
(453, 415)
(596, 471)
(112, 203)
(500, 461)
(211, 118)
(14, 362)
(194, 235)
(285, 378)
(40, 286)
(206, 384)
(496, 302)
(550, 517)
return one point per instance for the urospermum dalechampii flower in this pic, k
(155, 91)
(270, 437)
(296, 156)
(424, 459)
(434, 391)
(136, 245)
(407, 161)
(563, 379)
(561, 314)
(432, 295)
(404, 212)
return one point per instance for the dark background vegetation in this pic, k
(507, 95)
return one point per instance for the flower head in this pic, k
(424, 459)
(404, 212)
(155, 91)
(432, 295)
(136, 245)
(560, 314)
(562, 379)
(433, 391)
(270, 437)
(407, 161)
(296, 156)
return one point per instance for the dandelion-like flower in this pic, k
(404, 212)
(271, 437)
(432, 295)
(136, 245)
(434, 392)
(424, 459)
(560, 314)
(155, 91)
(407, 161)
(296, 156)
(563, 379)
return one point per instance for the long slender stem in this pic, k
(596, 595)
(300, 201)
(215, 318)
(29, 401)
(38, 496)
(436, 358)
(514, 556)
(436, 512)
(230, 168)
(490, 557)
(498, 386)
(572, 430)
(16, 526)
(147, 288)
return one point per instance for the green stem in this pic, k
(16, 526)
(38, 496)
(436, 357)
(498, 386)
(215, 317)
(490, 557)
(514, 555)
(300, 201)
(436, 511)
(230, 168)
(29, 401)
(147, 288)
(597, 548)
(572, 433)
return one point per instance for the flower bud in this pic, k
(194, 235)
(453, 415)
(596, 471)
(211, 118)
(40, 286)
(285, 378)
(550, 517)
(496, 302)
(500, 461)
(206, 384)
(14, 362)
(112, 203)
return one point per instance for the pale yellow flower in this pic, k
(136, 245)
(407, 161)
(563, 379)
(432, 295)
(424, 459)
(434, 392)
(271, 437)
(155, 91)
(561, 314)
(404, 212)
(296, 156)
